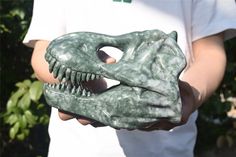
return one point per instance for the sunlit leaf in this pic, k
(14, 130)
(11, 103)
(23, 122)
(44, 119)
(18, 12)
(27, 82)
(3, 28)
(11, 119)
(33, 76)
(36, 90)
(24, 84)
(40, 106)
(20, 85)
(24, 102)
(20, 136)
(26, 132)
(31, 119)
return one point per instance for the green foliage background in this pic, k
(24, 113)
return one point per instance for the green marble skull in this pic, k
(148, 73)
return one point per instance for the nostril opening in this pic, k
(109, 54)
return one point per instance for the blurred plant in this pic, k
(216, 127)
(228, 95)
(24, 109)
(228, 139)
(22, 115)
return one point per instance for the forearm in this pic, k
(207, 70)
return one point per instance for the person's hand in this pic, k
(96, 86)
(188, 99)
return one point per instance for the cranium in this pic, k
(148, 73)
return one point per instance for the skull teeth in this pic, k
(60, 72)
(92, 76)
(65, 74)
(69, 88)
(56, 69)
(48, 57)
(83, 77)
(88, 77)
(51, 64)
(73, 77)
(68, 71)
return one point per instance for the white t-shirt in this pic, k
(192, 19)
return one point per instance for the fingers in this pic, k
(188, 100)
(84, 121)
(188, 104)
(63, 115)
(160, 125)
(105, 57)
(110, 60)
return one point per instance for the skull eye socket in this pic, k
(109, 51)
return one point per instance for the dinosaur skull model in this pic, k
(148, 73)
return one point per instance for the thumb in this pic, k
(106, 58)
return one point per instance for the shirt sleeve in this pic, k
(213, 16)
(48, 21)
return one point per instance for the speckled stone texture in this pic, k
(148, 73)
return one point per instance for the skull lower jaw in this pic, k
(120, 106)
(100, 106)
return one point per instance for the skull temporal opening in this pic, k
(148, 73)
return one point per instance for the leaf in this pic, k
(24, 102)
(31, 119)
(26, 132)
(14, 130)
(24, 84)
(18, 12)
(20, 85)
(3, 28)
(33, 76)
(11, 103)
(40, 106)
(44, 119)
(20, 136)
(27, 82)
(23, 122)
(11, 119)
(36, 90)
